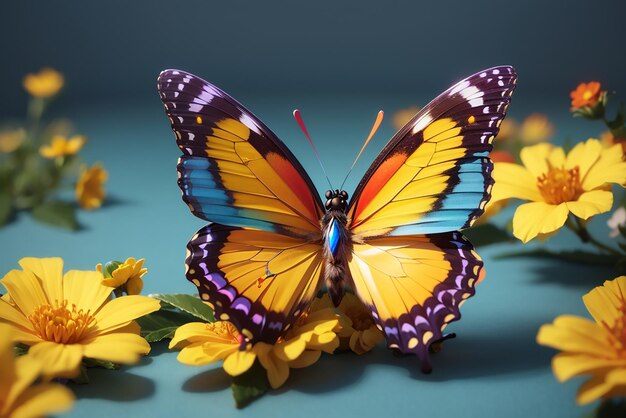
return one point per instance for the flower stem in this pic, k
(583, 233)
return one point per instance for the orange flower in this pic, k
(586, 95)
(502, 157)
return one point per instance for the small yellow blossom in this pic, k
(206, 343)
(11, 140)
(19, 396)
(403, 116)
(61, 146)
(65, 317)
(358, 331)
(557, 184)
(127, 276)
(44, 84)
(597, 349)
(90, 187)
(536, 128)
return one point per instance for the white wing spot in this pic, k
(496, 72)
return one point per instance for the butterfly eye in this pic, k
(344, 195)
(328, 204)
(328, 194)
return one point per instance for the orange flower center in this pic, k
(587, 94)
(226, 330)
(560, 185)
(59, 324)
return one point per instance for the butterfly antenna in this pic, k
(377, 122)
(298, 117)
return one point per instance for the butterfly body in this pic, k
(337, 244)
(272, 244)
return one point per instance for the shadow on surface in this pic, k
(113, 200)
(557, 272)
(208, 381)
(120, 385)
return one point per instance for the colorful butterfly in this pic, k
(272, 244)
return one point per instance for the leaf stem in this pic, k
(583, 233)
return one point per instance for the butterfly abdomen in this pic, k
(337, 248)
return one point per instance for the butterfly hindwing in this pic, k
(260, 281)
(414, 286)
(434, 175)
(234, 170)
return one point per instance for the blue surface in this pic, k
(493, 368)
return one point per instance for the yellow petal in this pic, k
(50, 273)
(291, 349)
(200, 353)
(74, 144)
(556, 157)
(593, 389)
(25, 290)
(604, 303)
(591, 203)
(277, 370)
(535, 218)
(42, 400)
(120, 311)
(117, 347)
(239, 362)
(58, 360)
(574, 334)
(307, 358)
(584, 155)
(7, 377)
(514, 181)
(609, 168)
(85, 289)
(535, 158)
(568, 365)
(328, 342)
(134, 286)
(13, 316)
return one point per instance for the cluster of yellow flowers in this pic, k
(63, 319)
(320, 329)
(34, 161)
(568, 188)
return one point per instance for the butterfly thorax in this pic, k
(337, 244)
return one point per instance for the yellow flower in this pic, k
(592, 348)
(64, 318)
(46, 83)
(126, 276)
(206, 343)
(557, 184)
(403, 116)
(61, 146)
(19, 397)
(358, 331)
(90, 187)
(536, 128)
(11, 140)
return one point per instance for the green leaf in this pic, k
(91, 362)
(577, 256)
(56, 213)
(250, 385)
(487, 234)
(20, 350)
(109, 268)
(163, 324)
(6, 207)
(189, 304)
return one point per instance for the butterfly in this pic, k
(272, 244)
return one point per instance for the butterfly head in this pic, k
(336, 200)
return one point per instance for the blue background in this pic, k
(340, 64)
